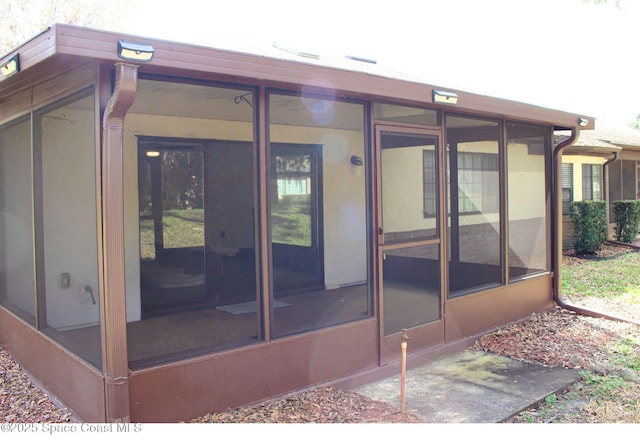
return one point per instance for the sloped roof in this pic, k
(588, 140)
(607, 138)
(618, 135)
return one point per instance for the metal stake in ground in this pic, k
(403, 368)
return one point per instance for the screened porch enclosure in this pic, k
(193, 271)
(212, 228)
(483, 169)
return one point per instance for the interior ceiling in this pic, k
(216, 103)
(454, 121)
(207, 102)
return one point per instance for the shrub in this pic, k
(589, 225)
(627, 218)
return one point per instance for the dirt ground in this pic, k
(555, 338)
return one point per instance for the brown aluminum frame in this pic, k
(58, 55)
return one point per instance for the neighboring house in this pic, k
(186, 229)
(603, 164)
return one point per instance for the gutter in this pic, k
(557, 260)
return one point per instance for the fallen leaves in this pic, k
(21, 401)
(319, 405)
(559, 338)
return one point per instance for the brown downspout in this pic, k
(114, 311)
(557, 262)
(605, 181)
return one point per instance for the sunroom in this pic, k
(186, 229)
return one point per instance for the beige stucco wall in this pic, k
(403, 190)
(577, 162)
(69, 216)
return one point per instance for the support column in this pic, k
(114, 310)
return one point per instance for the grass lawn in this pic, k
(614, 278)
(609, 391)
(180, 228)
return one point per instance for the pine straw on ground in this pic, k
(320, 405)
(610, 392)
(21, 401)
(559, 338)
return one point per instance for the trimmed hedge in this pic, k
(627, 219)
(589, 225)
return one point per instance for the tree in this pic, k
(604, 2)
(23, 19)
(635, 124)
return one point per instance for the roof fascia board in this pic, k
(35, 50)
(182, 59)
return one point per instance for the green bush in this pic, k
(627, 218)
(589, 225)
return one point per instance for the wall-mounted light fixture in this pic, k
(11, 67)
(135, 52)
(442, 97)
(582, 121)
(152, 153)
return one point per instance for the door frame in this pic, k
(433, 333)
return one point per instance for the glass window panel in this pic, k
(293, 212)
(406, 114)
(597, 182)
(529, 242)
(67, 226)
(17, 291)
(567, 187)
(591, 182)
(191, 276)
(473, 148)
(411, 287)
(319, 228)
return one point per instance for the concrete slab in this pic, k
(471, 387)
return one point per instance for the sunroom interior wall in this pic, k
(527, 192)
(69, 210)
(404, 202)
(472, 249)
